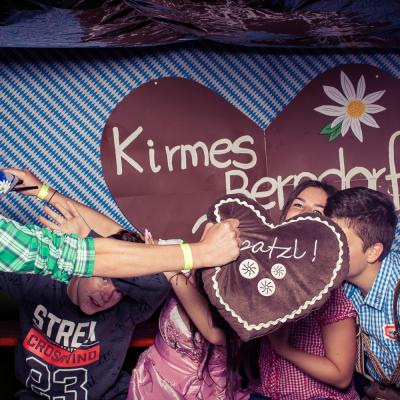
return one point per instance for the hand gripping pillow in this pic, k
(283, 272)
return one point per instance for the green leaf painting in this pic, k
(333, 132)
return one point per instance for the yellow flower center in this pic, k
(355, 109)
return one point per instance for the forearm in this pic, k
(31, 249)
(219, 246)
(320, 368)
(197, 308)
(116, 258)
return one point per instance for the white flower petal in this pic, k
(361, 87)
(335, 95)
(332, 111)
(356, 128)
(368, 120)
(345, 126)
(373, 97)
(347, 86)
(373, 108)
(337, 120)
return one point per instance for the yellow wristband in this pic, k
(43, 191)
(187, 256)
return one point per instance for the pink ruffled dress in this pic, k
(172, 367)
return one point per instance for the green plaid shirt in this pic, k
(30, 249)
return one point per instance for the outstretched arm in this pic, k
(41, 251)
(196, 306)
(115, 258)
(219, 243)
(97, 221)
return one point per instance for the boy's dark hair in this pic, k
(370, 213)
(326, 187)
(128, 236)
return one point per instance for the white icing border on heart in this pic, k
(304, 306)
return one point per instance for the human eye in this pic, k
(318, 212)
(297, 204)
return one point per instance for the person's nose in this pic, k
(107, 290)
(307, 209)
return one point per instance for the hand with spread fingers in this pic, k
(70, 221)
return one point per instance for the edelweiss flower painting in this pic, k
(354, 108)
(4, 186)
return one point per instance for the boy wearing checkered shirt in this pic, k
(368, 218)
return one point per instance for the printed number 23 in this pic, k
(71, 379)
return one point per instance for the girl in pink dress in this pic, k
(189, 359)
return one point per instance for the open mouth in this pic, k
(94, 302)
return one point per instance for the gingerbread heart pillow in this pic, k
(284, 271)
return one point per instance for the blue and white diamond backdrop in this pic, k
(54, 103)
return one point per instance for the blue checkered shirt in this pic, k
(376, 310)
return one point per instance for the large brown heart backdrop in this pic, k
(172, 146)
(283, 271)
(166, 148)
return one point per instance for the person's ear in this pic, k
(374, 252)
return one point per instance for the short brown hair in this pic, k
(370, 213)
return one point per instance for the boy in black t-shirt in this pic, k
(73, 340)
